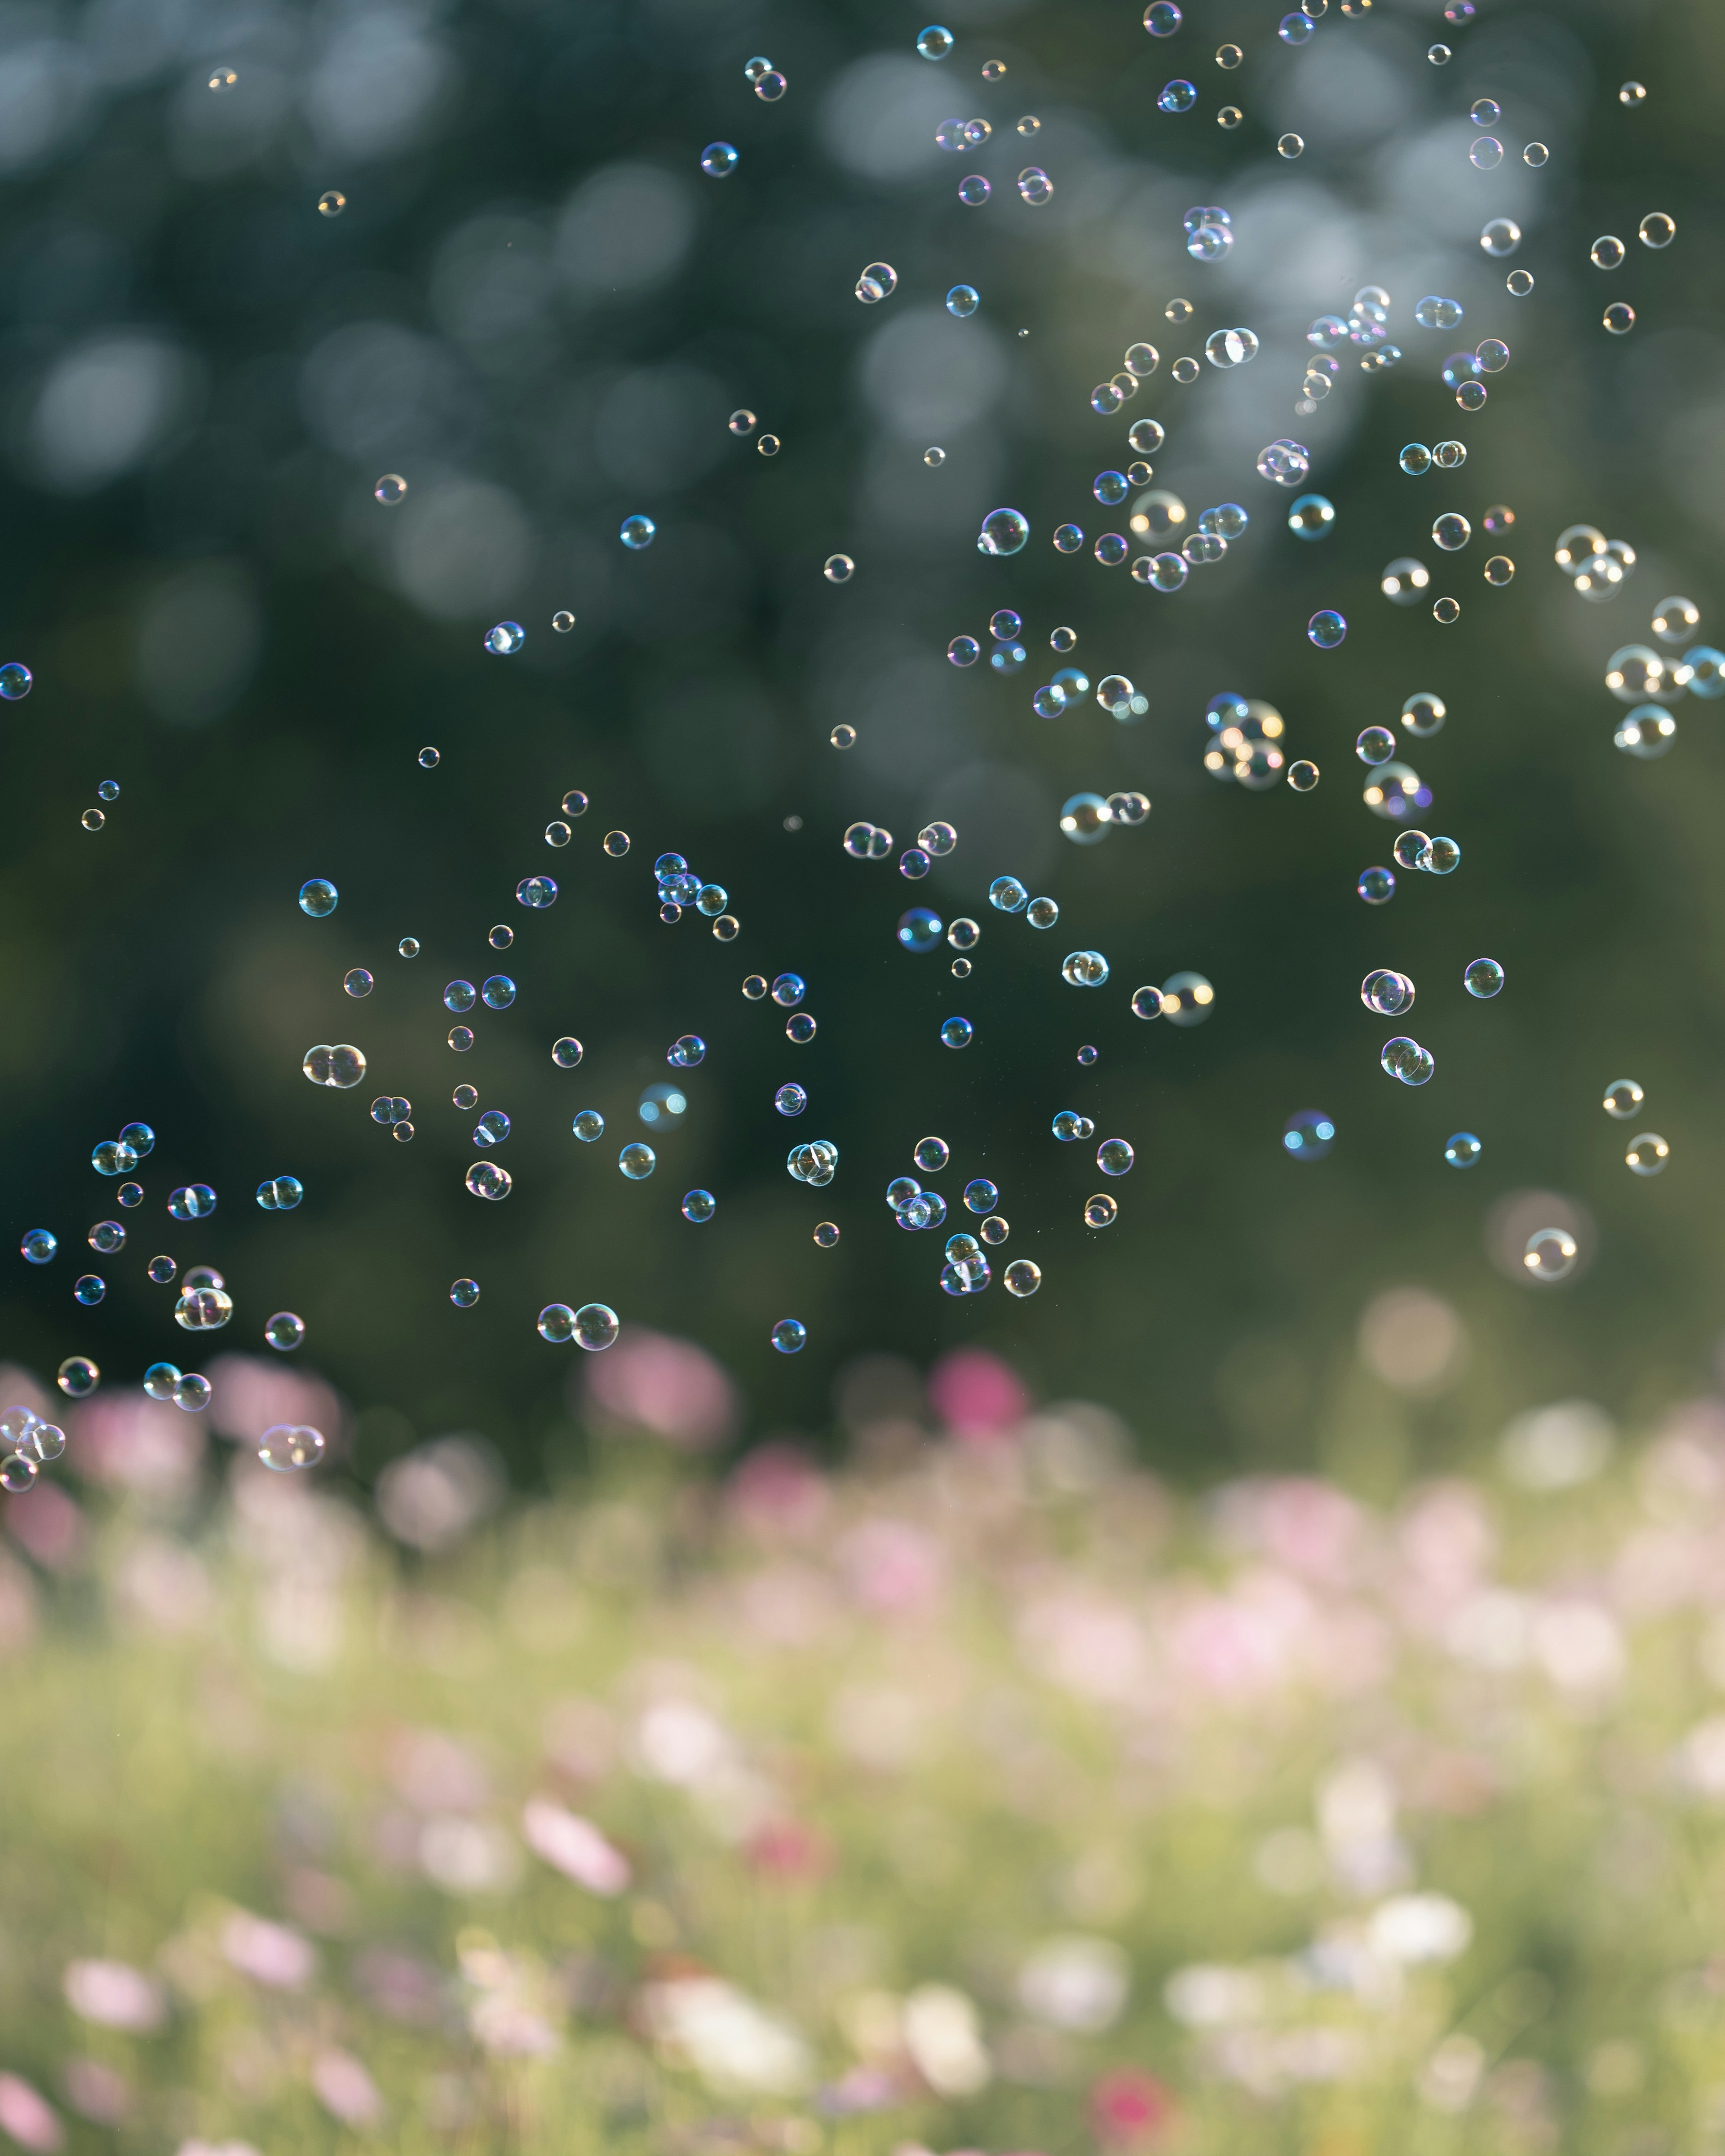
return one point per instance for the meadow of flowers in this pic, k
(978, 1792)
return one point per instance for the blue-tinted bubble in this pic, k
(1376, 886)
(460, 996)
(1161, 18)
(958, 1033)
(919, 929)
(1109, 487)
(139, 1137)
(194, 1201)
(499, 991)
(1227, 520)
(1007, 895)
(1068, 538)
(799, 1027)
(1463, 1150)
(537, 892)
(1007, 658)
(111, 1157)
(1327, 629)
(788, 990)
(464, 1293)
(789, 1335)
(1483, 977)
(1005, 625)
(588, 1125)
(1309, 1135)
(661, 1104)
(160, 1380)
(90, 1288)
(491, 1129)
(1707, 671)
(1049, 701)
(914, 862)
(38, 1245)
(506, 639)
(670, 865)
(318, 897)
(699, 1206)
(962, 300)
(973, 190)
(15, 681)
(1434, 313)
(718, 161)
(637, 532)
(964, 651)
(637, 1161)
(1311, 516)
(1177, 96)
(686, 1052)
(1295, 30)
(280, 1193)
(981, 1196)
(1005, 531)
(790, 1099)
(1110, 550)
(935, 43)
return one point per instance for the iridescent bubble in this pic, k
(1006, 894)
(563, 621)
(391, 489)
(718, 161)
(1619, 318)
(615, 844)
(826, 1233)
(838, 568)
(788, 1335)
(485, 1179)
(284, 1331)
(463, 1293)
(460, 996)
(1376, 886)
(1311, 516)
(192, 1201)
(285, 1448)
(1375, 745)
(637, 532)
(1389, 994)
(506, 639)
(1647, 732)
(1289, 145)
(964, 300)
(1295, 29)
(492, 1128)
(1327, 629)
(1178, 96)
(1022, 1277)
(1519, 284)
(78, 1377)
(1485, 153)
(1550, 1254)
(318, 898)
(1451, 531)
(88, 1288)
(1483, 977)
(1657, 229)
(799, 1028)
(1440, 857)
(1407, 1060)
(1035, 187)
(1005, 531)
(1302, 776)
(1285, 462)
(537, 892)
(203, 1309)
(741, 422)
(1042, 913)
(637, 1161)
(1501, 236)
(498, 993)
(408, 947)
(1187, 1000)
(1161, 18)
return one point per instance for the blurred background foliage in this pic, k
(537, 309)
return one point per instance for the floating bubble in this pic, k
(1550, 1254)
(1647, 732)
(718, 161)
(284, 1331)
(838, 568)
(391, 489)
(1327, 629)
(1187, 1000)
(485, 1179)
(537, 892)
(1302, 776)
(1005, 531)
(1022, 1277)
(1375, 745)
(637, 532)
(1178, 96)
(1619, 318)
(1485, 154)
(1647, 1154)
(463, 1293)
(203, 1309)
(286, 1447)
(964, 300)
(1376, 886)
(1404, 581)
(1311, 516)
(1656, 229)
(506, 639)
(958, 1033)
(788, 1335)
(1607, 252)
(1500, 236)
(1389, 994)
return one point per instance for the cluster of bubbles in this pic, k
(1649, 681)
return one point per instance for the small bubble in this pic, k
(284, 1331)
(1022, 1277)
(1550, 1254)
(1289, 145)
(1446, 612)
(1501, 236)
(391, 489)
(637, 532)
(1327, 629)
(463, 1293)
(1535, 154)
(1486, 154)
(1620, 318)
(1177, 96)
(718, 161)
(826, 1233)
(224, 78)
(1632, 93)
(935, 43)
(838, 568)
(506, 639)
(962, 300)
(956, 1032)
(563, 621)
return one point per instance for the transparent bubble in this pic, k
(192, 1201)
(958, 1033)
(1483, 977)
(1302, 776)
(964, 300)
(498, 993)
(826, 1233)
(285, 1331)
(1178, 96)
(88, 1288)
(1084, 969)
(78, 1377)
(203, 1309)
(1389, 994)
(1187, 1000)
(1647, 1154)
(1623, 1098)
(1675, 620)
(1289, 145)
(1657, 229)
(799, 1028)
(1485, 153)
(1499, 571)
(788, 990)
(615, 844)
(286, 1447)
(1619, 318)
(506, 639)
(1404, 581)
(1022, 1277)
(1451, 531)
(318, 898)
(741, 422)
(1376, 886)
(1129, 809)
(1005, 531)
(1285, 462)
(718, 161)
(1185, 371)
(635, 532)
(1707, 671)
(1407, 1060)
(1607, 252)
(1110, 550)
(38, 1245)
(1647, 732)
(1327, 629)
(1375, 745)
(537, 892)
(1501, 236)
(1035, 186)
(563, 621)
(1519, 284)
(1311, 516)
(838, 568)
(391, 489)
(463, 1293)
(1550, 1254)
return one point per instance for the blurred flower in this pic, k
(943, 2036)
(399, 1986)
(1309, 1526)
(1450, 2079)
(574, 1846)
(468, 1856)
(268, 1953)
(131, 1442)
(53, 1534)
(1701, 1759)
(676, 1741)
(160, 1584)
(1414, 1341)
(432, 1497)
(346, 2090)
(508, 2029)
(1075, 1983)
(670, 1387)
(892, 1567)
(1410, 1928)
(1556, 1447)
(97, 2091)
(580, 1738)
(737, 2047)
(777, 1491)
(1579, 1646)
(1356, 1819)
(1076, 1639)
(1129, 2108)
(784, 1849)
(436, 1773)
(114, 1994)
(1212, 1995)
(976, 1394)
(28, 2118)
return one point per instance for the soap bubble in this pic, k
(1035, 186)
(498, 993)
(1187, 1000)
(1623, 1098)
(1005, 531)
(463, 1293)
(1434, 313)
(317, 898)
(1375, 745)
(1550, 1254)
(487, 1179)
(285, 1331)
(1311, 516)
(1404, 581)
(38, 1245)
(1084, 969)
(718, 161)
(1284, 462)
(1407, 1060)
(1178, 96)
(1646, 732)
(1485, 153)
(1619, 318)
(1657, 229)
(1327, 629)
(838, 568)
(1501, 236)
(1463, 1150)
(1022, 1277)
(203, 1309)
(1451, 531)
(1289, 145)
(1085, 817)
(537, 892)
(1483, 977)
(1376, 886)
(1424, 713)
(958, 1033)
(788, 1335)
(1647, 1154)
(1309, 1134)
(964, 300)
(1675, 621)
(192, 1201)
(280, 1193)
(78, 1377)
(790, 1099)
(391, 489)
(935, 43)
(1607, 252)
(637, 532)
(286, 1447)
(506, 639)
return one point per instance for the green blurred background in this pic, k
(537, 309)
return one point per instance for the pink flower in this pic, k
(976, 1394)
(52, 1532)
(574, 1846)
(268, 1953)
(436, 1773)
(96, 2092)
(1129, 2107)
(28, 2118)
(114, 1994)
(783, 1849)
(892, 1566)
(1308, 1526)
(346, 2090)
(131, 1442)
(777, 1491)
(670, 1387)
